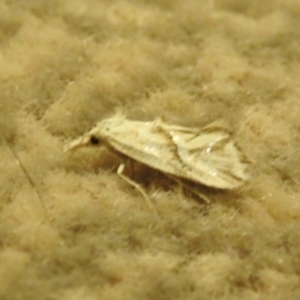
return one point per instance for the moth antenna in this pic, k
(27, 175)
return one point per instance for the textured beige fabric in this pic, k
(83, 233)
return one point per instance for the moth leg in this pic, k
(137, 186)
(131, 166)
(191, 189)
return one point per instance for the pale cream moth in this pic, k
(206, 156)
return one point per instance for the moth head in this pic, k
(88, 140)
(96, 135)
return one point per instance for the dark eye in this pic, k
(94, 140)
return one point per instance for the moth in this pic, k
(207, 156)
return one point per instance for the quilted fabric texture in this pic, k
(70, 228)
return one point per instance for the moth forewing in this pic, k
(207, 156)
(211, 158)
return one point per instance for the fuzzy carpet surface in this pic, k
(70, 228)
